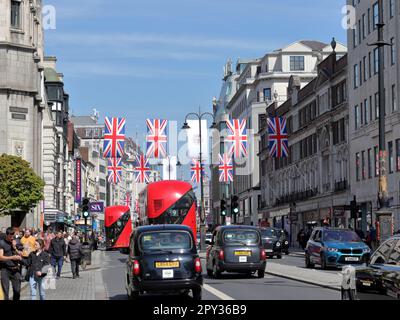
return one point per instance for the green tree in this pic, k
(20, 187)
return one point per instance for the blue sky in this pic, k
(164, 58)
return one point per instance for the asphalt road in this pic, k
(230, 286)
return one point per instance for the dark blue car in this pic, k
(331, 247)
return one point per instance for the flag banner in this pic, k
(193, 135)
(114, 170)
(142, 169)
(225, 168)
(156, 138)
(237, 137)
(169, 168)
(78, 182)
(277, 137)
(127, 200)
(197, 170)
(114, 137)
(137, 205)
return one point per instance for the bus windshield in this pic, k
(165, 240)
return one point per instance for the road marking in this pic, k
(217, 293)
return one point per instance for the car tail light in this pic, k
(136, 268)
(263, 255)
(221, 255)
(197, 265)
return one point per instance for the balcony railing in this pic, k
(341, 185)
(296, 196)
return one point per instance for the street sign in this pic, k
(96, 207)
(228, 221)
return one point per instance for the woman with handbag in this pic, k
(39, 262)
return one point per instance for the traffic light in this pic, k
(235, 205)
(223, 208)
(85, 206)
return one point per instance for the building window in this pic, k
(365, 68)
(356, 117)
(369, 163)
(366, 111)
(392, 52)
(391, 8)
(361, 114)
(398, 155)
(394, 98)
(376, 60)
(369, 65)
(376, 156)
(391, 160)
(355, 76)
(267, 94)
(363, 25)
(369, 20)
(377, 105)
(375, 13)
(297, 63)
(364, 175)
(16, 14)
(358, 166)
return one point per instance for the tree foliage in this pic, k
(20, 187)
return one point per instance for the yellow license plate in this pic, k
(243, 253)
(167, 264)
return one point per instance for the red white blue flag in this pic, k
(237, 137)
(114, 170)
(225, 168)
(277, 137)
(114, 137)
(128, 199)
(197, 169)
(142, 169)
(156, 138)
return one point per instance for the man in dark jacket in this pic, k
(58, 251)
(75, 255)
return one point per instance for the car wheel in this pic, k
(209, 272)
(308, 261)
(261, 273)
(197, 294)
(216, 272)
(323, 262)
(132, 295)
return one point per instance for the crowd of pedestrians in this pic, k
(28, 255)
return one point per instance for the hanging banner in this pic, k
(78, 182)
(237, 138)
(156, 138)
(114, 137)
(169, 168)
(277, 138)
(193, 135)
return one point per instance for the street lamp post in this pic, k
(200, 116)
(383, 199)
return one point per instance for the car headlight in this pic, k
(286, 242)
(366, 250)
(278, 244)
(332, 249)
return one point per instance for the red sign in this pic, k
(78, 193)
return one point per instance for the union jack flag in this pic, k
(156, 138)
(142, 169)
(114, 137)
(114, 170)
(225, 168)
(277, 137)
(128, 199)
(237, 137)
(197, 170)
(137, 205)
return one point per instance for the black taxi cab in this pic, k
(163, 259)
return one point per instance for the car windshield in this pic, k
(341, 236)
(270, 233)
(165, 241)
(240, 236)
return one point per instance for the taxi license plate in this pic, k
(351, 259)
(243, 253)
(366, 284)
(167, 264)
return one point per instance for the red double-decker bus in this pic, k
(118, 226)
(168, 202)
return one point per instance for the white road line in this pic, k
(217, 293)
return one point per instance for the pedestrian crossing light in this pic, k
(86, 214)
(223, 208)
(235, 204)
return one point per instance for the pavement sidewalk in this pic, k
(89, 286)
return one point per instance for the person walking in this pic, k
(75, 255)
(57, 252)
(301, 239)
(49, 235)
(9, 266)
(36, 273)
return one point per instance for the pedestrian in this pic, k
(57, 252)
(368, 239)
(301, 239)
(10, 266)
(37, 262)
(29, 243)
(75, 255)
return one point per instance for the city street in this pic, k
(104, 280)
